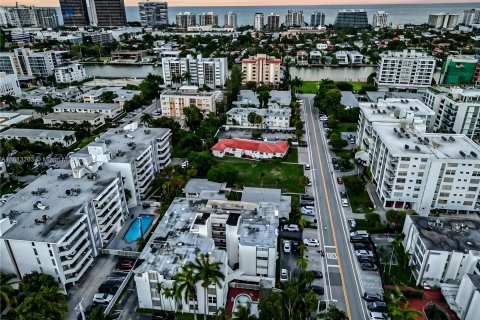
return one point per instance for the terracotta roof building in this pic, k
(242, 148)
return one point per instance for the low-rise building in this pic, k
(63, 137)
(95, 120)
(342, 57)
(243, 148)
(109, 110)
(204, 189)
(70, 73)
(173, 102)
(274, 117)
(131, 56)
(315, 57)
(248, 98)
(355, 57)
(8, 119)
(9, 85)
(122, 95)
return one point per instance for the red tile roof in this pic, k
(252, 145)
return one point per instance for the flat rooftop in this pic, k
(349, 99)
(199, 185)
(448, 233)
(87, 106)
(282, 97)
(71, 116)
(270, 112)
(123, 94)
(394, 109)
(429, 145)
(62, 209)
(36, 133)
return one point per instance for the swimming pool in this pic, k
(133, 232)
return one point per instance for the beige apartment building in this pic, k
(261, 69)
(174, 101)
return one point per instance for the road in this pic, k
(342, 274)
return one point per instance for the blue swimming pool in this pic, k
(134, 232)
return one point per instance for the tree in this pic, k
(222, 314)
(193, 116)
(403, 314)
(333, 313)
(263, 93)
(344, 86)
(371, 78)
(146, 119)
(372, 218)
(244, 312)
(223, 173)
(97, 313)
(208, 273)
(47, 303)
(7, 293)
(169, 294)
(296, 83)
(186, 76)
(302, 262)
(108, 96)
(34, 281)
(191, 142)
(251, 117)
(337, 142)
(201, 161)
(396, 217)
(184, 285)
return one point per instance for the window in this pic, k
(448, 180)
(450, 172)
(444, 194)
(35, 251)
(452, 165)
(467, 203)
(420, 174)
(212, 299)
(472, 188)
(470, 196)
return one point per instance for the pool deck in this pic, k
(118, 243)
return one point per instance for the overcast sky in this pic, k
(201, 3)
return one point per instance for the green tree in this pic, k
(403, 314)
(193, 116)
(337, 142)
(97, 313)
(396, 217)
(333, 313)
(251, 117)
(344, 86)
(222, 314)
(201, 161)
(302, 263)
(46, 303)
(223, 173)
(34, 281)
(7, 293)
(244, 312)
(263, 93)
(146, 119)
(185, 286)
(108, 96)
(207, 273)
(191, 142)
(372, 218)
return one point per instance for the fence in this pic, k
(119, 292)
(120, 253)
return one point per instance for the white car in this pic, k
(103, 298)
(287, 247)
(311, 242)
(283, 275)
(309, 213)
(323, 118)
(344, 203)
(374, 315)
(291, 227)
(352, 223)
(364, 253)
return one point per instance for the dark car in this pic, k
(362, 246)
(359, 238)
(307, 197)
(335, 166)
(125, 265)
(304, 203)
(343, 195)
(364, 259)
(317, 289)
(294, 246)
(317, 274)
(109, 287)
(377, 306)
(372, 297)
(368, 266)
(334, 161)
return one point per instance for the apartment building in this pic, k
(457, 110)
(108, 13)
(185, 20)
(273, 117)
(407, 69)
(29, 16)
(467, 300)
(75, 13)
(248, 98)
(95, 120)
(70, 73)
(153, 13)
(471, 16)
(380, 19)
(58, 222)
(261, 69)
(208, 19)
(173, 102)
(391, 110)
(273, 22)
(64, 137)
(317, 19)
(258, 21)
(122, 95)
(137, 153)
(355, 57)
(9, 85)
(443, 249)
(352, 18)
(200, 71)
(231, 19)
(109, 110)
(294, 18)
(25, 62)
(443, 20)
(424, 171)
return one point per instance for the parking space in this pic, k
(315, 259)
(351, 137)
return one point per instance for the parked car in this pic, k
(309, 213)
(344, 203)
(323, 118)
(362, 246)
(335, 166)
(125, 265)
(317, 289)
(287, 246)
(355, 239)
(362, 233)
(374, 315)
(343, 195)
(372, 296)
(103, 298)
(365, 259)
(307, 203)
(311, 242)
(377, 306)
(284, 275)
(307, 197)
(307, 166)
(294, 246)
(317, 274)
(339, 180)
(364, 253)
(291, 227)
(368, 266)
(352, 223)
(109, 287)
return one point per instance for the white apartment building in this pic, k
(442, 249)
(355, 57)
(342, 57)
(185, 19)
(258, 21)
(391, 110)
(408, 69)
(173, 102)
(71, 73)
(136, 153)
(208, 19)
(25, 62)
(231, 19)
(380, 19)
(153, 13)
(443, 20)
(63, 137)
(95, 120)
(9, 85)
(294, 18)
(123, 95)
(424, 171)
(274, 117)
(471, 16)
(261, 69)
(457, 110)
(109, 110)
(211, 72)
(467, 300)
(56, 224)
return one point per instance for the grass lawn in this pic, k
(104, 58)
(346, 127)
(292, 156)
(285, 176)
(344, 154)
(85, 141)
(9, 187)
(309, 87)
(357, 196)
(357, 85)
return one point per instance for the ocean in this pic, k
(397, 13)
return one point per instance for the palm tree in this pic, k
(7, 293)
(208, 274)
(302, 222)
(186, 76)
(15, 168)
(244, 312)
(159, 290)
(146, 119)
(169, 294)
(222, 314)
(302, 248)
(302, 262)
(185, 285)
(404, 314)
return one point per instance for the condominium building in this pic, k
(424, 171)
(294, 18)
(457, 110)
(9, 85)
(273, 22)
(108, 13)
(467, 301)
(63, 137)
(137, 153)
(70, 73)
(95, 120)
(173, 102)
(208, 19)
(231, 19)
(273, 117)
(25, 62)
(341, 57)
(443, 20)
(109, 110)
(258, 21)
(380, 19)
(391, 110)
(317, 19)
(261, 69)
(471, 16)
(355, 57)
(46, 17)
(29, 16)
(185, 20)
(58, 222)
(352, 19)
(407, 69)
(461, 69)
(153, 13)
(200, 71)
(122, 95)
(75, 13)
(443, 249)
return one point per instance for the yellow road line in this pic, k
(331, 221)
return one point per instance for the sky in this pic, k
(204, 3)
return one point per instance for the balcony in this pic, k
(64, 259)
(68, 241)
(74, 267)
(111, 211)
(76, 276)
(74, 245)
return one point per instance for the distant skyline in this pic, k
(207, 3)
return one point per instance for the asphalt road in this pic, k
(342, 274)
